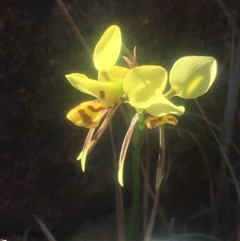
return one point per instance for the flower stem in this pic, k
(138, 140)
(159, 178)
(170, 94)
(118, 194)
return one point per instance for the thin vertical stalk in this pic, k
(138, 140)
(231, 102)
(223, 153)
(146, 184)
(118, 194)
(228, 16)
(161, 160)
(74, 27)
(44, 228)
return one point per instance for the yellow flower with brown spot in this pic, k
(140, 86)
(108, 89)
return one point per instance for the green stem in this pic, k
(170, 94)
(118, 194)
(138, 140)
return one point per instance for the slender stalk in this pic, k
(136, 155)
(145, 171)
(223, 154)
(118, 194)
(160, 211)
(231, 102)
(74, 27)
(150, 225)
(135, 192)
(170, 93)
(229, 16)
(213, 125)
(44, 228)
(161, 161)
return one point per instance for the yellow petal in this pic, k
(160, 106)
(107, 49)
(109, 93)
(152, 121)
(115, 74)
(192, 76)
(88, 114)
(144, 82)
(87, 144)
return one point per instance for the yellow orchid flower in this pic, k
(143, 88)
(140, 86)
(108, 90)
(190, 77)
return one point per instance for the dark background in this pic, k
(38, 145)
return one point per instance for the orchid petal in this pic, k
(83, 155)
(108, 93)
(115, 74)
(153, 121)
(192, 76)
(87, 114)
(161, 106)
(143, 83)
(124, 148)
(107, 49)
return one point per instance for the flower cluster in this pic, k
(140, 86)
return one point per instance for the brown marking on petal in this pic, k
(91, 108)
(86, 118)
(102, 94)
